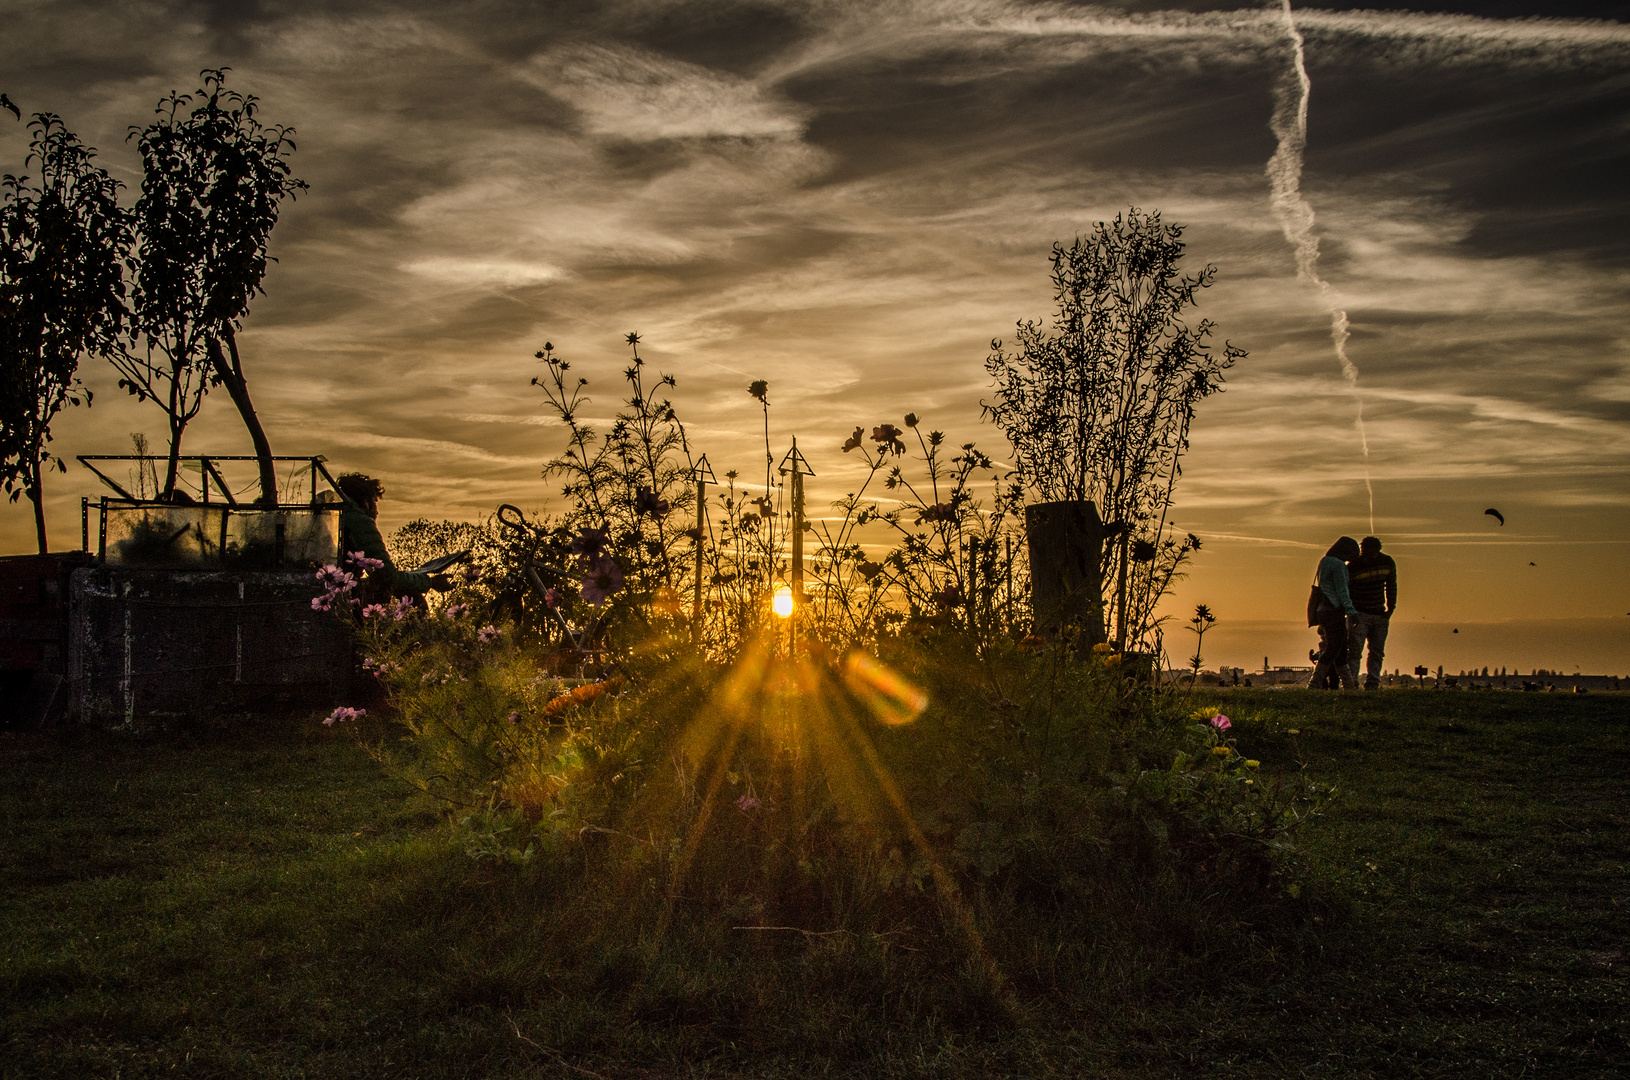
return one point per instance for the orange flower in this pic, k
(582, 695)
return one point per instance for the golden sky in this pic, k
(851, 200)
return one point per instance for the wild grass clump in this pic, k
(971, 819)
(900, 799)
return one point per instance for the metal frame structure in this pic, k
(208, 469)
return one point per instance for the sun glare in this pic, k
(783, 601)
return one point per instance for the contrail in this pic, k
(1295, 216)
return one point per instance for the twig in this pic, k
(558, 1056)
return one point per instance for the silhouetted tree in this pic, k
(1098, 405)
(63, 240)
(213, 180)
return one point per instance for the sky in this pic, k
(851, 200)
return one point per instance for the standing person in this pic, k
(1333, 608)
(358, 532)
(1372, 579)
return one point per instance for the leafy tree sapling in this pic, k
(1098, 405)
(63, 240)
(214, 178)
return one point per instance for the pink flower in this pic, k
(402, 608)
(343, 713)
(453, 611)
(746, 803)
(604, 577)
(854, 440)
(322, 603)
(888, 436)
(362, 562)
(373, 611)
(514, 717)
(1221, 722)
(487, 634)
(647, 501)
(551, 597)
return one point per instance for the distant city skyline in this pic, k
(851, 200)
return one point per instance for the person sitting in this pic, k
(359, 532)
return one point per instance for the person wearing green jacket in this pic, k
(360, 533)
(1335, 605)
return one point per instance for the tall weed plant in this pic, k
(905, 759)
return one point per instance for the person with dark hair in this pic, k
(1333, 607)
(1372, 579)
(360, 533)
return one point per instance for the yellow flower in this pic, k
(1202, 715)
(1250, 781)
(1293, 731)
(1249, 764)
(1103, 648)
(1112, 660)
(1221, 751)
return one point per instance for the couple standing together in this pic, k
(1354, 596)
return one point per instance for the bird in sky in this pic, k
(1495, 514)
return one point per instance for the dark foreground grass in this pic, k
(260, 901)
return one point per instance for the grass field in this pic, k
(263, 902)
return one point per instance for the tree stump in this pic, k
(1065, 541)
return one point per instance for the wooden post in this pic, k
(702, 473)
(1066, 588)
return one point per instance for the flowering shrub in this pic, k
(915, 746)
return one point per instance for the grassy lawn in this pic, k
(263, 902)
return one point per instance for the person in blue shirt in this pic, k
(1335, 604)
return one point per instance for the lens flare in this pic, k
(891, 697)
(783, 601)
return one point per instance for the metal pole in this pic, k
(797, 545)
(84, 523)
(701, 533)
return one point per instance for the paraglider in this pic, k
(1495, 514)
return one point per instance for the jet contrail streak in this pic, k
(1295, 216)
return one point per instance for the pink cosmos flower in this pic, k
(322, 603)
(343, 713)
(487, 634)
(402, 608)
(453, 611)
(888, 436)
(604, 577)
(362, 562)
(1221, 722)
(373, 611)
(551, 597)
(746, 803)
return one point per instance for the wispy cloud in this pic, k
(853, 200)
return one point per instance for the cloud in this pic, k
(852, 200)
(630, 93)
